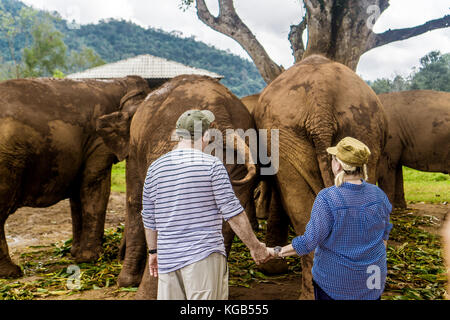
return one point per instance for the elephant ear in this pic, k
(114, 128)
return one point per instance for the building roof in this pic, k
(146, 66)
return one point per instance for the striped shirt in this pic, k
(347, 227)
(186, 196)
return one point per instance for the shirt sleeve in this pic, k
(148, 202)
(226, 200)
(317, 229)
(388, 209)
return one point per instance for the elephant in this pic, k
(419, 138)
(50, 151)
(151, 135)
(314, 104)
(250, 102)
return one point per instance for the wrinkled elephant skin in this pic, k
(50, 151)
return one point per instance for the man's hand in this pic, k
(260, 254)
(153, 265)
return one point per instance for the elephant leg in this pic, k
(387, 183)
(399, 197)
(276, 234)
(228, 236)
(8, 205)
(134, 244)
(297, 198)
(7, 268)
(76, 212)
(94, 194)
(148, 289)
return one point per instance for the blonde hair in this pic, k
(348, 169)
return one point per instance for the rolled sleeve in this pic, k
(226, 200)
(317, 229)
(148, 203)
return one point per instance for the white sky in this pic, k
(270, 21)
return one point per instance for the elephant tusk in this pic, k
(241, 147)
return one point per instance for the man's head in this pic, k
(194, 124)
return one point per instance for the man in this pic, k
(186, 195)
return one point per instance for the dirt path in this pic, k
(44, 226)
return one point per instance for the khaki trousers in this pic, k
(206, 279)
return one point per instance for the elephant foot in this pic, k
(10, 270)
(148, 289)
(128, 279)
(400, 205)
(75, 250)
(276, 266)
(88, 255)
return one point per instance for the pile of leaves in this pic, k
(50, 270)
(415, 264)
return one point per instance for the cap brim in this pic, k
(332, 150)
(208, 115)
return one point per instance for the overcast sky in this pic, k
(270, 21)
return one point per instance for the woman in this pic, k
(348, 230)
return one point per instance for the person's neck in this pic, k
(354, 179)
(187, 144)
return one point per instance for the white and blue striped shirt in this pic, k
(186, 196)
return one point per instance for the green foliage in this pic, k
(430, 187)
(118, 183)
(112, 40)
(433, 74)
(48, 267)
(48, 52)
(82, 60)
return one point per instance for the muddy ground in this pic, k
(44, 226)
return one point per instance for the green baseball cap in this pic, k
(188, 121)
(351, 151)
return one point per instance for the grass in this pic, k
(118, 177)
(429, 187)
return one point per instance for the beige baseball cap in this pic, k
(187, 121)
(351, 151)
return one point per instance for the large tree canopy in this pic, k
(338, 29)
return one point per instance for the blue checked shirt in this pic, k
(347, 227)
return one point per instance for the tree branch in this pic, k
(296, 39)
(230, 24)
(403, 34)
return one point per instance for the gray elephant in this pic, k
(314, 104)
(50, 151)
(150, 135)
(419, 138)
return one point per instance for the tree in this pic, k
(84, 59)
(434, 73)
(338, 29)
(11, 26)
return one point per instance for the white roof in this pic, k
(146, 66)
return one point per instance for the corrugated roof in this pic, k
(146, 66)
